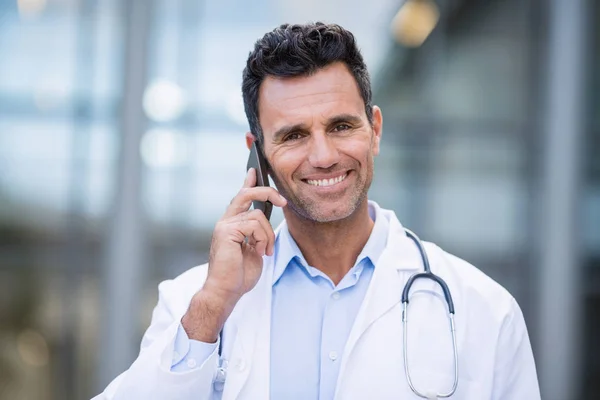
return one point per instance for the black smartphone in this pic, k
(257, 161)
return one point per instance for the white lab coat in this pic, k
(495, 357)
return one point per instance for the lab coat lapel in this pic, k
(250, 361)
(399, 260)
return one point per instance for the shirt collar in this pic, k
(286, 248)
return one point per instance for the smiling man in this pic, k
(313, 310)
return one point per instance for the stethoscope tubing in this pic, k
(427, 274)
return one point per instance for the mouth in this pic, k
(327, 182)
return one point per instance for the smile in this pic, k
(327, 182)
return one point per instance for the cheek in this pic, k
(286, 162)
(359, 149)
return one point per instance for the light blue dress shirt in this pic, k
(310, 322)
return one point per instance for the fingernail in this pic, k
(283, 198)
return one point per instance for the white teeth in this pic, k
(327, 182)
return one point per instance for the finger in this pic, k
(260, 247)
(259, 216)
(253, 230)
(250, 180)
(242, 201)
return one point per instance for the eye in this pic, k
(341, 127)
(292, 136)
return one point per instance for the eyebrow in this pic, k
(336, 119)
(351, 118)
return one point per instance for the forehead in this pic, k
(329, 91)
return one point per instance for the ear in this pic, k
(250, 138)
(377, 129)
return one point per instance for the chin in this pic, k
(332, 216)
(330, 213)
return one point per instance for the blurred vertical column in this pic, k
(70, 376)
(126, 240)
(561, 297)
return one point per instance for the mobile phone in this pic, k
(257, 161)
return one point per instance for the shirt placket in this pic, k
(332, 342)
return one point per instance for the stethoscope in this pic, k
(427, 274)
(221, 374)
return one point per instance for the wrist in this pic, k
(206, 316)
(214, 294)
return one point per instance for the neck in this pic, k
(331, 247)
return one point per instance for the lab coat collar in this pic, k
(400, 252)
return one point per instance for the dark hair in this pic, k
(301, 50)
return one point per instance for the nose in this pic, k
(323, 152)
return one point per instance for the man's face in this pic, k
(319, 142)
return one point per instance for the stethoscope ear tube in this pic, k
(427, 274)
(432, 276)
(419, 244)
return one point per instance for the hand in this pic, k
(240, 240)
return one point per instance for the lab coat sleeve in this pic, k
(150, 376)
(515, 375)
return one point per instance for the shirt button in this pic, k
(333, 355)
(191, 363)
(335, 295)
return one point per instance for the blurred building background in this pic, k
(121, 143)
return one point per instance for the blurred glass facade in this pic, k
(121, 143)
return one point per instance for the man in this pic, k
(313, 310)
